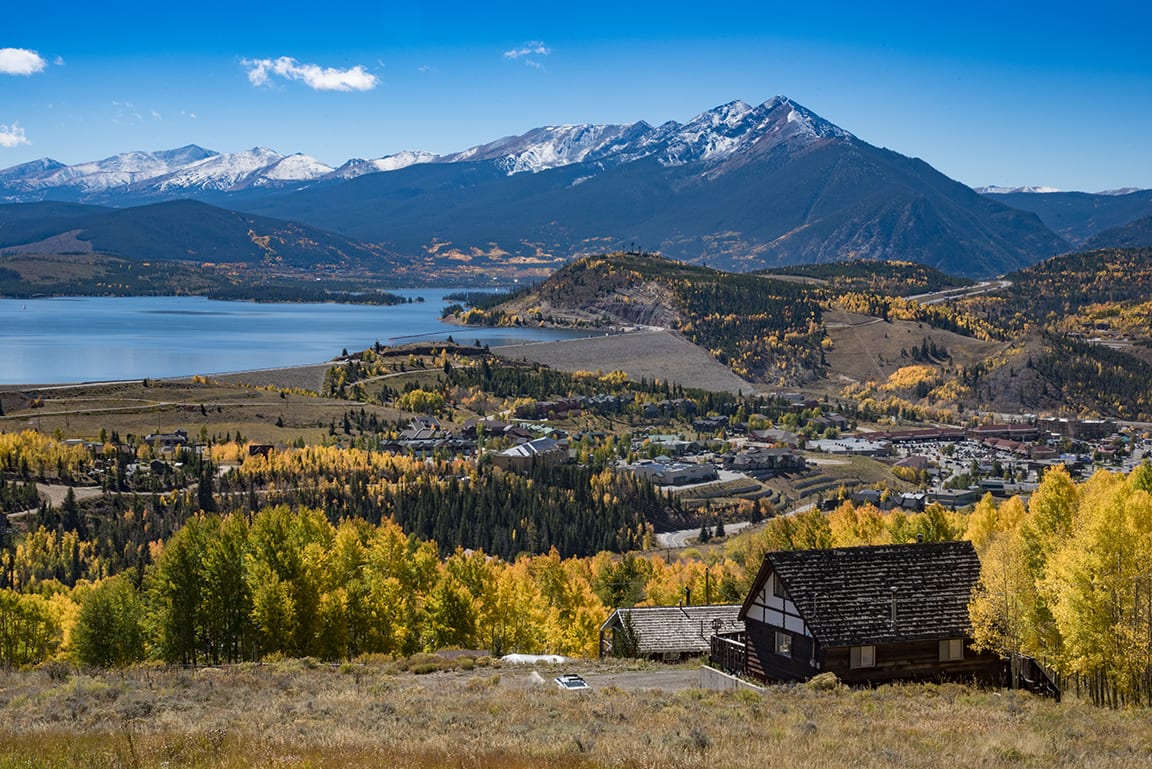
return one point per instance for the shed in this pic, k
(670, 632)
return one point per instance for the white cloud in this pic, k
(125, 113)
(12, 136)
(314, 76)
(20, 61)
(535, 48)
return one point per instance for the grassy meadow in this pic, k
(471, 714)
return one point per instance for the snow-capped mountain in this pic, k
(229, 172)
(166, 174)
(544, 148)
(713, 136)
(114, 173)
(731, 130)
(28, 176)
(359, 166)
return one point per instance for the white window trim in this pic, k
(778, 590)
(783, 643)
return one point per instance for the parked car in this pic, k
(571, 682)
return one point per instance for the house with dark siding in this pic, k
(868, 614)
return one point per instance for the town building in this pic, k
(535, 453)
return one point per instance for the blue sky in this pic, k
(1006, 93)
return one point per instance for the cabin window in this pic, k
(862, 657)
(951, 649)
(783, 644)
(778, 587)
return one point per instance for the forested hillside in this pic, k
(1079, 332)
(888, 278)
(761, 328)
(162, 576)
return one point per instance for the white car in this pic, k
(571, 682)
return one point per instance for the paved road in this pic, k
(56, 494)
(674, 539)
(984, 287)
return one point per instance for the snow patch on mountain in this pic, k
(995, 190)
(359, 166)
(542, 148)
(1121, 191)
(294, 168)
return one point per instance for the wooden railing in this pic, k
(1035, 678)
(729, 653)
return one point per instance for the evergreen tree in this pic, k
(626, 638)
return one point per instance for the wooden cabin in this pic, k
(868, 614)
(668, 632)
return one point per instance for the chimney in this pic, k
(687, 596)
(893, 607)
(919, 539)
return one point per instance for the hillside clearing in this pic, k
(656, 354)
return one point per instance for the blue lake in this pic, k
(86, 339)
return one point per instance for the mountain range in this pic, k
(1084, 219)
(728, 130)
(738, 187)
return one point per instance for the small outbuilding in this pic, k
(666, 632)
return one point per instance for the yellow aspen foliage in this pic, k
(851, 526)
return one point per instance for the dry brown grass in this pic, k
(659, 355)
(864, 349)
(131, 408)
(295, 714)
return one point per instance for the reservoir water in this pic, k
(87, 339)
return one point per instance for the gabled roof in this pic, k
(533, 448)
(845, 595)
(676, 629)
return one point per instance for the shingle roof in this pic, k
(676, 629)
(846, 594)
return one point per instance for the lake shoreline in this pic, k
(652, 353)
(85, 340)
